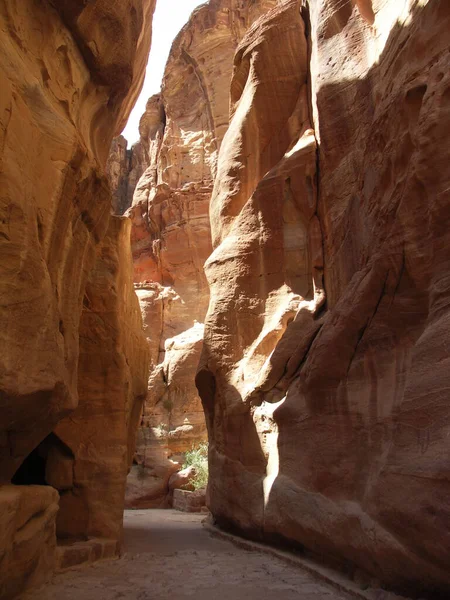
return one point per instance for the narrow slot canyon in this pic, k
(224, 357)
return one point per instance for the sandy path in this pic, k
(169, 555)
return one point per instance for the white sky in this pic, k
(169, 18)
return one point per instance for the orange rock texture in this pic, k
(325, 366)
(124, 168)
(28, 536)
(67, 86)
(112, 385)
(181, 133)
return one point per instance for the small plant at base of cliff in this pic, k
(161, 430)
(197, 457)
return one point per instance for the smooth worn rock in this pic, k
(182, 480)
(148, 480)
(324, 373)
(181, 132)
(56, 126)
(28, 537)
(112, 373)
(67, 87)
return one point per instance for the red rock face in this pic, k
(55, 136)
(124, 169)
(324, 369)
(27, 519)
(67, 86)
(112, 386)
(117, 169)
(181, 132)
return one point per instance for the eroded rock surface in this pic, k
(181, 132)
(101, 432)
(324, 373)
(124, 168)
(67, 86)
(28, 536)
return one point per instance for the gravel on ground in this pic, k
(169, 555)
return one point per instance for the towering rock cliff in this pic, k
(69, 74)
(324, 372)
(124, 168)
(181, 132)
(112, 385)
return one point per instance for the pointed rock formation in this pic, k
(324, 373)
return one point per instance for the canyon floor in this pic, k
(168, 554)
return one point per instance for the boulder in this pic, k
(183, 480)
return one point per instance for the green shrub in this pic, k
(197, 457)
(161, 429)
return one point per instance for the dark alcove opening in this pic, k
(42, 465)
(32, 470)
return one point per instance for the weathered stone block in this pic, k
(186, 501)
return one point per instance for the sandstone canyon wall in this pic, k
(124, 167)
(180, 135)
(69, 74)
(325, 367)
(112, 385)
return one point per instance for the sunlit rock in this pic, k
(324, 372)
(67, 87)
(181, 132)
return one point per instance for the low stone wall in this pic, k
(186, 501)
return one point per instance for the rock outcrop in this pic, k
(68, 86)
(181, 132)
(324, 372)
(124, 169)
(112, 385)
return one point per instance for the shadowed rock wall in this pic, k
(69, 74)
(125, 166)
(181, 132)
(324, 373)
(112, 385)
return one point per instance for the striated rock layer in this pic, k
(181, 132)
(68, 85)
(324, 371)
